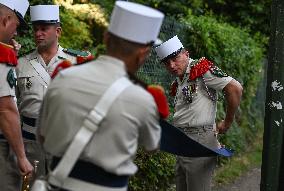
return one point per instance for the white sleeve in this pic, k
(215, 82)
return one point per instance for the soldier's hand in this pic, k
(222, 127)
(17, 46)
(25, 167)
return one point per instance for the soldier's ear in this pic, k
(145, 50)
(142, 54)
(58, 31)
(5, 20)
(186, 53)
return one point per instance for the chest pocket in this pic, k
(30, 84)
(188, 92)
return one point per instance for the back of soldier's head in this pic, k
(18, 7)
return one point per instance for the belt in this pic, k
(29, 121)
(28, 135)
(2, 137)
(197, 130)
(28, 127)
(91, 173)
(79, 185)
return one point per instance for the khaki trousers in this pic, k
(10, 178)
(195, 173)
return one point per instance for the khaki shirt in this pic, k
(33, 79)
(202, 110)
(131, 120)
(5, 88)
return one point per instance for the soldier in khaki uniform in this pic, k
(195, 90)
(107, 161)
(12, 155)
(33, 73)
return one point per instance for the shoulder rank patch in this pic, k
(75, 52)
(11, 78)
(7, 55)
(200, 68)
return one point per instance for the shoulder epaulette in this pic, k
(7, 55)
(61, 66)
(75, 52)
(81, 59)
(67, 63)
(160, 98)
(200, 68)
(81, 56)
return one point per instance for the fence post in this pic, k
(272, 161)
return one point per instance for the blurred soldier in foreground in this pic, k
(107, 161)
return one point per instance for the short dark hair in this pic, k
(122, 46)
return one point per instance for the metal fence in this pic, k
(154, 72)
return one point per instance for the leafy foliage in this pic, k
(252, 15)
(156, 172)
(72, 35)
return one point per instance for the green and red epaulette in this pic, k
(8, 55)
(66, 64)
(200, 68)
(160, 98)
(82, 56)
(61, 66)
(84, 59)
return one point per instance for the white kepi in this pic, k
(169, 47)
(20, 7)
(45, 14)
(135, 22)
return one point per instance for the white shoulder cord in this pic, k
(88, 128)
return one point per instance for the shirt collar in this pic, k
(116, 64)
(59, 53)
(187, 71)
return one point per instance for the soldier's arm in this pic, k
(10, 127)
(233, 93)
